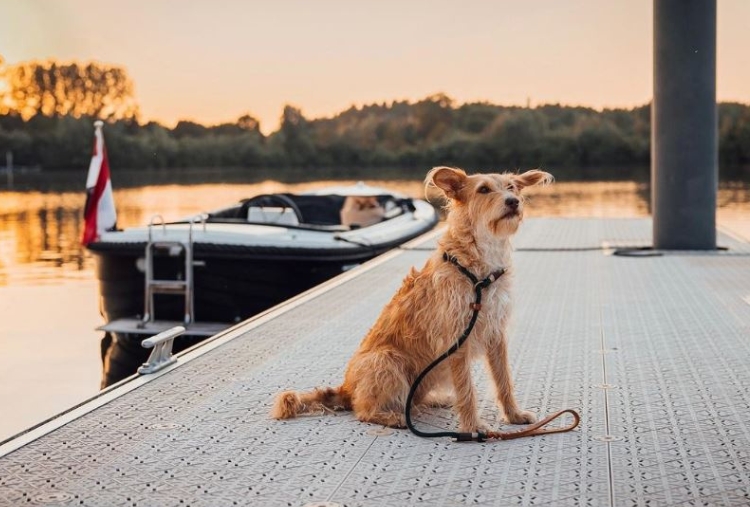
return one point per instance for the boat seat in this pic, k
(272, 215)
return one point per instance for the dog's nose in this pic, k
(512, 202)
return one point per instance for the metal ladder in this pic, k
(155, 286)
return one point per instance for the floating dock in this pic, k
(653, 351)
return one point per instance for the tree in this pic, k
(295, 137)
(53, 89)
(514, 138)
(433, 117)
(245, 125)
(247, 122)
(186, 128)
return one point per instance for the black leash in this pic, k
(479, 286)
(534, 429)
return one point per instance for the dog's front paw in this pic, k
(520, 417)
(474, 427)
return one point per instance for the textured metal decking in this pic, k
(654, 352)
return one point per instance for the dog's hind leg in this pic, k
(384, 418)
(380, 390)
(436, 389)
(437, 399)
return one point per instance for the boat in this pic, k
(213, 270)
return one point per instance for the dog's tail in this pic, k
(290, 404)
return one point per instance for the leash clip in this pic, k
(470, 437)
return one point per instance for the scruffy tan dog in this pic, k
(432, 308)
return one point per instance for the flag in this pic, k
(99, 214)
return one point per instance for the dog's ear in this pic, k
(447, 179)
(533, 177)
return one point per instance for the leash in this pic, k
(538, 428)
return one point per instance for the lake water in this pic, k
(49, 350)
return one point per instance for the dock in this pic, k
(652, 350)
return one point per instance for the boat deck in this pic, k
(654, 352)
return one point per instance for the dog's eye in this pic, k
(484, 189)
(511, 187)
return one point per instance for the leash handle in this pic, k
(538, 428)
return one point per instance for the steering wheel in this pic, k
(274, 201)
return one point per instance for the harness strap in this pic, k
(492, 277)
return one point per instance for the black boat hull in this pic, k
(227, 288)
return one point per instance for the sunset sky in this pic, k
(214, 61)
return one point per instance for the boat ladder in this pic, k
(177, 286)
(183, 285)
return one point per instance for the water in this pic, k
(49, 350)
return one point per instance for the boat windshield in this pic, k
(327, 212)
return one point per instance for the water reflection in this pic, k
(40, 232)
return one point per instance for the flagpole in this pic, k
(99, 211)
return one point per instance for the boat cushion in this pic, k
(272, 215)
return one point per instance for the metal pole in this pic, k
(684, 140)
(9, 167)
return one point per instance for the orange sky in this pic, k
(214, 61)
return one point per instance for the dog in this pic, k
(361, 211)
(432, 308)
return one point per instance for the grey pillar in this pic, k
(684, 141)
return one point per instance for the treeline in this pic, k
(431, 131)
(47, 111)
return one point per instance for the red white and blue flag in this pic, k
(99, 214)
